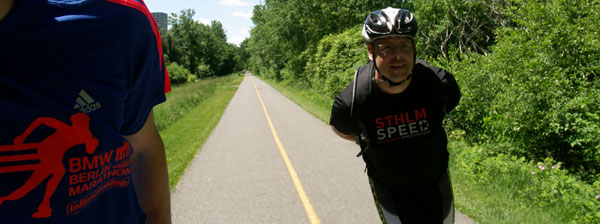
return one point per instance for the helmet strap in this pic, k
(392, 83)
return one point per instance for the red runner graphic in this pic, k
(50, 153)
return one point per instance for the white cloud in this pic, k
(246, 15)
(237, 40)
(233, 3)
(245, 31)
(204, 21)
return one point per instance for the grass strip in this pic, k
(497, 207)
(183, 98)
(184, 137)
(316, 104)
(496, 188)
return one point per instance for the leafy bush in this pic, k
(538, 89)
(204, 71)
(178, 74)
(293, 72)
(332, 66)
(450, 28)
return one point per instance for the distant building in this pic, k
(161, 19)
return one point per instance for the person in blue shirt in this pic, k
(78, 83)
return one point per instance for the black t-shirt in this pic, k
(407, 140)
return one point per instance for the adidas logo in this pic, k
(85, 103)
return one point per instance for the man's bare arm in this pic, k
(350, 137)
(5, 7)
(150, 174)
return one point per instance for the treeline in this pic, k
(195, 51)
(528, 70)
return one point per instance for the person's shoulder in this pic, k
(124, 9)
(128, 18)
(427, 70)
(423, 65)
(136, 5)
(345, 96)
(121, 9)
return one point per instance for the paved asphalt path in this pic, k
(240, 174)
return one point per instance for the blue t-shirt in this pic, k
(75, 77)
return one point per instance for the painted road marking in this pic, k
(310, 211)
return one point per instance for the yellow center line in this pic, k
(310, 211)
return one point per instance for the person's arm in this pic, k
(350, 137)
(340, 115)
(149, 172)
(452, 92)
(52, 123)
(5, 7)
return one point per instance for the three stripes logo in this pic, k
(85, 103)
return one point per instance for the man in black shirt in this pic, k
(395, 109)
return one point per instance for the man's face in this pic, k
(394, 57)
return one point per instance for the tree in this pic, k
(201, 49)
(287, 32)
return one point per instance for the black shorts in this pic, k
(429, 204)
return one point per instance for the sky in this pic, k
(233, 14)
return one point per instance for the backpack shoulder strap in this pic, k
(361, 89)
(360, 93)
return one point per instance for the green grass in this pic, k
(190, 114)
(489, 200)
(490, 207)
(182, 98)
(313, 102)
(495, 188)
(492, 189)
(486, 206)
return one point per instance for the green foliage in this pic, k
(242, 56)
(455, 27)
(333, 65)
(538, 89)
(289, 34)
(285, 32)
(204, 71)
(181, 99)
(293, 70)
(201, 49)
(178, 74)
